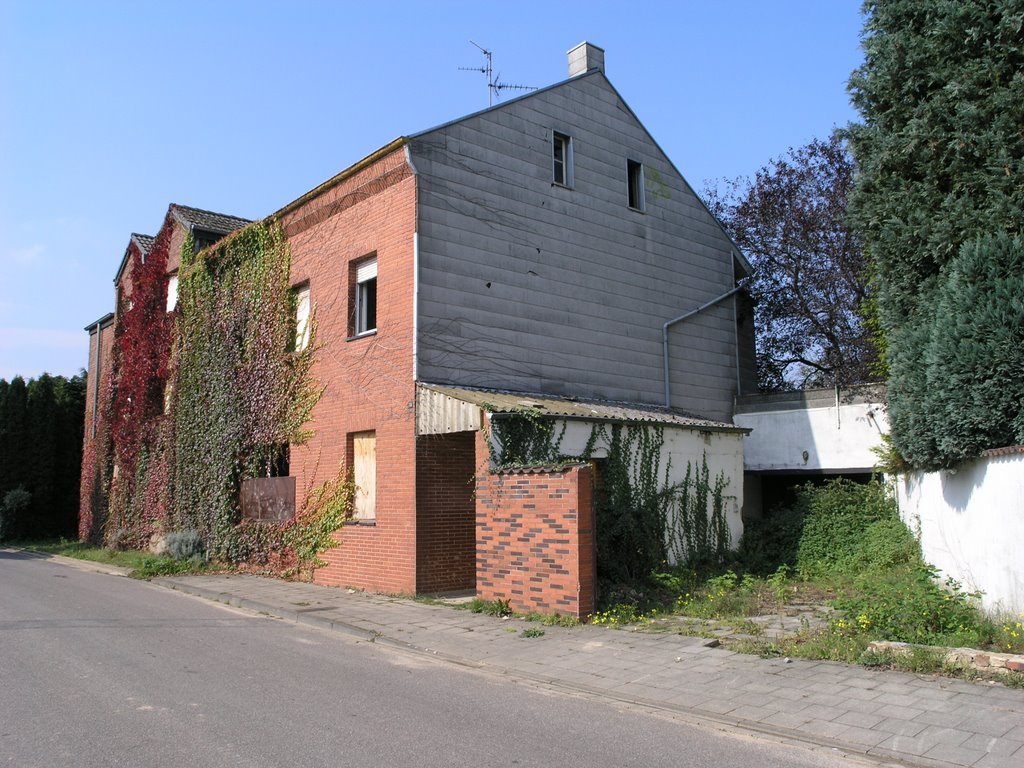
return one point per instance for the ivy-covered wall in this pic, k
(241, 393)
(664, 493)
(202, 397)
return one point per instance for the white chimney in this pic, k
(585, 57)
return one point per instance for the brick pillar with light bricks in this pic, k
(535, 543)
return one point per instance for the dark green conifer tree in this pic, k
(941, 157)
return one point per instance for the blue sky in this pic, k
(109, 111)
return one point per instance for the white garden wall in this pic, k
(724, 451)
(819, 431)
(971, 524)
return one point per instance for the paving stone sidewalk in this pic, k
(889, 716)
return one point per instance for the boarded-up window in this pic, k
(172, 292)
(364, 464)
(268, 499)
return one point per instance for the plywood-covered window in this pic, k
(364, 465)
(172, 292)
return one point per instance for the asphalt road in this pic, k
(97, 670)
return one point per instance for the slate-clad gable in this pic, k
(531, 286)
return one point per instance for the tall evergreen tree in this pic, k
(5, 467)
(41, 427)
(15, 433)
(941, 157)
(41, 470)
(71, 428)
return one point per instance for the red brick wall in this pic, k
(446, 512)
(96, 378)
(535, 539)
(369, 380)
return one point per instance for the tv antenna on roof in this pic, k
(494, 84)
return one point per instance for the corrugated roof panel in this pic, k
(498, 401)
(438, 413)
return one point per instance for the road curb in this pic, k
(82, 565)
(296, 617)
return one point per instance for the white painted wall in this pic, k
(682, 445)
(835, 438)
(971, 525)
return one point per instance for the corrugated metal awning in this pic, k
(442, 409)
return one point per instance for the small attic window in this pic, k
(561, 159)
(203, 241)
(635, 184)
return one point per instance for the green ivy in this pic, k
(698, 532)
(326, 510)
(524, 438)
(239, 393)
(642, 519)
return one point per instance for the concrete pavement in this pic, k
(883, 715)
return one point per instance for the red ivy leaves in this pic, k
(142, 353)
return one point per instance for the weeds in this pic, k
(841, 544)
(490, 607)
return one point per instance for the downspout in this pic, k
(415, 272)
(666, 326)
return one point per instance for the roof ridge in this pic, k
(193, 209)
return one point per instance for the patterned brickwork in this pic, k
(535, 539)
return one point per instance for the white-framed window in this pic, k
(561, 159)
(635, 185)
(364, 473)
(365, 297)
(301, 317)
(172, 292)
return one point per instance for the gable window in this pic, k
(561, 159)
(635, 184)
(301, 317)
(172, 292)
(364, 470)
(366, 297)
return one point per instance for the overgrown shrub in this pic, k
(837, 527)
(908, 605)
(771, 541)
(836, 517)
(939, 154)
(185, 545)
(12, 512)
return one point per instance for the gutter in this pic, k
(681, 318)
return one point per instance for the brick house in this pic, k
(545, 254)
(205, 227)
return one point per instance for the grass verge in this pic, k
(141, 565)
